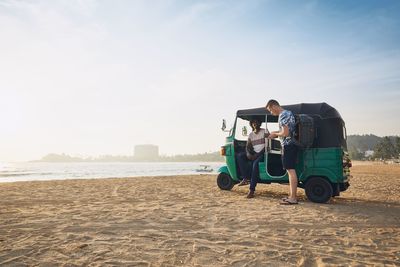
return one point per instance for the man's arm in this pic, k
(284, 119)
(248, 144)
(283, 133)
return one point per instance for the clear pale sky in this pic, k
(87, 77)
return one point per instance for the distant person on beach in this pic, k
(255, 149)
(287, 126)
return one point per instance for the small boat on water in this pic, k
(204, 168)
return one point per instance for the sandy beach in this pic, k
(188, 221)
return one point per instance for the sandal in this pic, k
(288, 202)
(243, 182)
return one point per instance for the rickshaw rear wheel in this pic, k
(224, 181)
(318, 190)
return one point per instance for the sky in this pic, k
(89, 78)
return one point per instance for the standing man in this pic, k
(287, 126)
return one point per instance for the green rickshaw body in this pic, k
(325, 162)
(326, 159)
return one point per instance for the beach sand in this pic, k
(188, 221)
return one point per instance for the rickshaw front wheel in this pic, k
(318, 190)
(224, 181)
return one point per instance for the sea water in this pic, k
(39, 171)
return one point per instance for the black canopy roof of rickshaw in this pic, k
(322, 110)
(327, 120)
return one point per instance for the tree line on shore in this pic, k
(372, 147)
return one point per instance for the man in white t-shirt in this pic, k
(255, 150)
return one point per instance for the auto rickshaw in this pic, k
(323, 164)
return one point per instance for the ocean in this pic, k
(41, 171)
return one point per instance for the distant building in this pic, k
(369, 153)
(146, 152)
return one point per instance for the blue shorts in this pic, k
(289, 156)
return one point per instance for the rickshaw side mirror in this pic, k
(244, 131)
(223, 125)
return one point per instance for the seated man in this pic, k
(255, 150)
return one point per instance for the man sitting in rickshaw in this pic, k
(255, 150)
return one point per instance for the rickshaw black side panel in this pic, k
(329, 133)
(275, 167)
(240, 146)
(305, 130)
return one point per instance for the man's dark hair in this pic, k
(272, 102)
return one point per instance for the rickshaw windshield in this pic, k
(241, 124)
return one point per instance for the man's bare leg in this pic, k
(292, 184)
